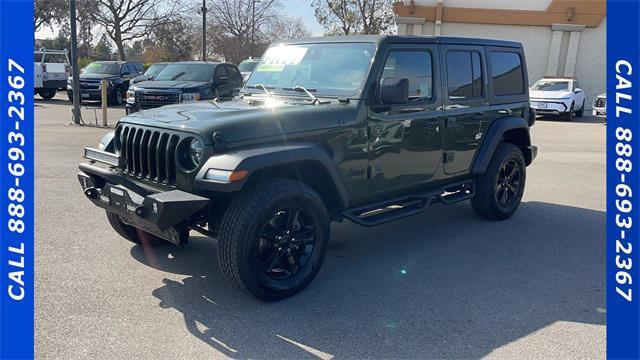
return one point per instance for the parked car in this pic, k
(558, 96)
(51, 69)
(185, 82)
(366, 128)
(117, 73)
(600, 106)
(150, 73)
(247, 66)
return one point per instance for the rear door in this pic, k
(466, 105)
(405, 140)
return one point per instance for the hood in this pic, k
(98, 76)
(539, 94)
(178, 85)
(239, 121)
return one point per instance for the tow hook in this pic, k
(91, 192)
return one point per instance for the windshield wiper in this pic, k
(299, 88)
(261, 86)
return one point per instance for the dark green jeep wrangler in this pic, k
(365, 128)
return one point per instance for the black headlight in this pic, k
(191, 153)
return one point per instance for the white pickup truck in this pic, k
(51, 70)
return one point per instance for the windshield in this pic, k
(330, 69)
(186, 72)
(247, 65)
(154, 69)
(551, 85)
(102, 68)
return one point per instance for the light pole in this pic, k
(204, 30)
(253, 26)
(77, 117)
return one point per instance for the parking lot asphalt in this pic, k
(442, 284)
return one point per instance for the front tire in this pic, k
(132, 234)
(569, 116)
(118, 97)
(273, 238)
(499, 190)
(580, 113)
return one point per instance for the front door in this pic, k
(221, 82)
(467, 112)
(405, 140)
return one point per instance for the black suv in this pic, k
(187, 81)
(365, 128)
(117, 73)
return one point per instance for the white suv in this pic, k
(557, 96)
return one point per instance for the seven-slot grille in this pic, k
(148, 153)
(600, 102)
(150, 100)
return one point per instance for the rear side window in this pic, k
(464, 74)
(414, 65)
(506, 71)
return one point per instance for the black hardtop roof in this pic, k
(404, 39)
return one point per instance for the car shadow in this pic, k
(586, 119)
(442, 284)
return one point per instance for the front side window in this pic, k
(464, 74)
(186, 72)
(416, 66)
(327, 69)
(506, 71)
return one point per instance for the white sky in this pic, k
(299, 8)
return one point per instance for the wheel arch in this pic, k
(307, 163)
(513, 130)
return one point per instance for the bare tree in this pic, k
(49, 13)
(348, 17)
(284, 27)
(127, 20)
(242, 20)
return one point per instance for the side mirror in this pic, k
(578, 90)
(125, 73)
(394, 91)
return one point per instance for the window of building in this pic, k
(464, 74)
(414, 65)
(506, 70)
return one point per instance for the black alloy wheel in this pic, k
(287, 242)
(508, 184)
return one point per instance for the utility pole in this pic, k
(204, 30)
(253, 26)
(77, 116)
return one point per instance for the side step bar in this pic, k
(408, 205)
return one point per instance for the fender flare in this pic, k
(106, 143)
(494, 137)
(255, 159)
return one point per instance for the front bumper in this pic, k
(599, 112)
(550, 107)
(163, 214)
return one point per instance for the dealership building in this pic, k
(564, 38)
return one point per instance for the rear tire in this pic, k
(499, 190)
(47, 94)
(132, 234)
(273, 238)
